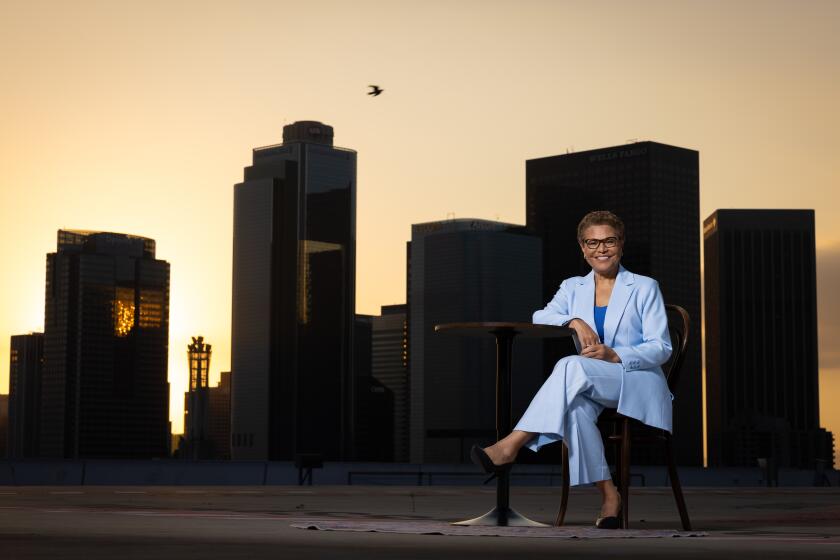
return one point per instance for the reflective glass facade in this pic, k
(105, 392)
(294, 299)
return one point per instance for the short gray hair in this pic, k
(600, 218)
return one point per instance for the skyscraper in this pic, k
(374, 419)
(207, 434)
(294, 255)
(104, 389)
(389, 366)
(467, 270)
(25, 369)
(4, 426)
(196, 443)
(654, 189)
(218, 425)
(762, 394)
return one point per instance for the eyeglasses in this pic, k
(593, 244)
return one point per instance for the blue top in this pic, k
(600, 314)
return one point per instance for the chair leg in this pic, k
(624, 487)
(675, 484)
(617, 449)
(564, 498)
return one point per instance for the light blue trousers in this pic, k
(567, 407)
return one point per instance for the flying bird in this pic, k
(375, 90)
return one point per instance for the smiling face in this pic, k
(603, 260)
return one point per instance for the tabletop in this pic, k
(480, 328)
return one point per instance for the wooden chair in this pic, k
(679, 325)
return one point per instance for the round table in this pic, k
(503, 514)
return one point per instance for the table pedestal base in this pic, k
(497, 517)
(502, 515)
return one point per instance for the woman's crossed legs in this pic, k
(566, 408)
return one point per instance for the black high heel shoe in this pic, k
(611, 521)
(480, 458)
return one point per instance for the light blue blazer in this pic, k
(636, 327)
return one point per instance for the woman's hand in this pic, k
(590, 343)
(600, 352)
(585, 334)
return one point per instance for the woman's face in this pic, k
(602, 259)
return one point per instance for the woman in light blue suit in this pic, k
(620, 320)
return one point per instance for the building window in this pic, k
(123, 311)
(151, 308)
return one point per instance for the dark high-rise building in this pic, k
(218, 422)
(195, 442)
(4, 426)
(467, 270)
(27, 359)
(762, 394)
(654, 189)
(104, 390)
(389, 366)
(207, 437)
(294, 255)
(374, 420)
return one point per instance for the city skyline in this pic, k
(154, 124)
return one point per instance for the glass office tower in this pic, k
(104, 386)
(461, 271)
(762, 366)
(389, 365)
(654, 189)
(25, 366)
(294, 254)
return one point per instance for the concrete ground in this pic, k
(127, 522)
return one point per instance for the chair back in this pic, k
(679, 327)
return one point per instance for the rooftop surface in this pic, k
(210, 522)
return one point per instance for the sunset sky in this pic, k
(138, 117)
